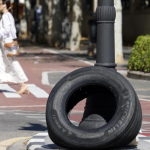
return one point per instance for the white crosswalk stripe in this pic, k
(37, 92)
(29, 114)
(36, 117)
(9, 92)
(43, 121)
(1, 113)
(147, 141)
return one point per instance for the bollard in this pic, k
(112, 116)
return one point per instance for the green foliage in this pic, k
(140, 55)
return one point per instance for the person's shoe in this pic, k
(23, 90)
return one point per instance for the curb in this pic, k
(52, 77)
(7, 143)
(37, 142)
(20, 145)
(138, 75)
(42, 141)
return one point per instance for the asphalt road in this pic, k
(20, 123)
(27, 117)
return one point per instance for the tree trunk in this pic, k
(50, 23)
(56, 24)
(118, 33)
(95, 4)
(24, 22)
(66, 27)
(76, 25)
(43, 21)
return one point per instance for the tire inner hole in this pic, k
(91, 106)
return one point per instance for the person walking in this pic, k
(10, 69)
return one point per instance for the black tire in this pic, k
(124, 119)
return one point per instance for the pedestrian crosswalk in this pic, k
(36, 91)
(9, 92)
(145, 127)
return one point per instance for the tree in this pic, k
(76, 25)
(42, 20)
(66, 27)
(50, 22)
(56, 24)
(118, 33)
(24, 23)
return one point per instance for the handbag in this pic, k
(12, 48)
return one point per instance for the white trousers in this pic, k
(10, 69)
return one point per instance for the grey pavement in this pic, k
(82, 55)
(20, 123)
(141, 87)
(21, 145)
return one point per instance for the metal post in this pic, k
(106, 15)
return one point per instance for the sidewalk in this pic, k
(45, 66)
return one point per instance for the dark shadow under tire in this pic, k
(116, 101)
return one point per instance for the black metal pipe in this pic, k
(106, 15)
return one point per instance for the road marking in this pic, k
(29, 106)
(146, 89)
(43, 120)
(140, 135)
(4, 144)
(11, 93)
(37, 140)
(122, 72)
(36, 117)
(29, 114)
(8, 91)
(86, 62)
(53, 52)
(42, 134)
(144, 100)
(33, 147)
(45, 78)
(37, 92)
(1, 113)
(147, 141)
(145, 122)
(32, 143)
(143, 96)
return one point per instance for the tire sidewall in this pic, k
(64, 130)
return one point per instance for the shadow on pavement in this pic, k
(34, 127)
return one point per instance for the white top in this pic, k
(7, 27)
